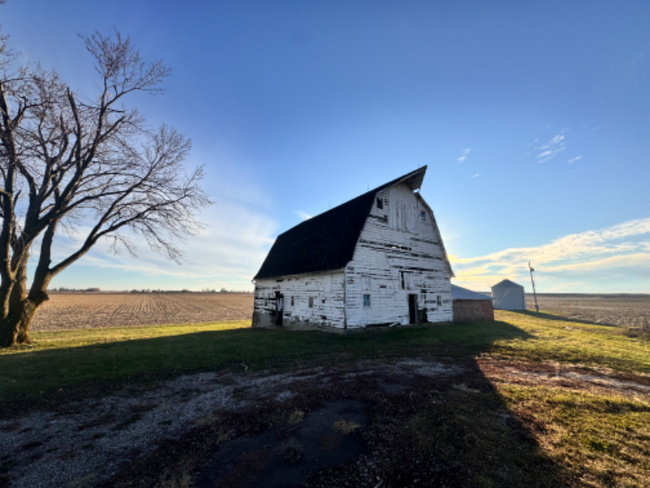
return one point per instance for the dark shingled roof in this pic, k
(327, 241)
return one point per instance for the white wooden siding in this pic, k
(326, 290)
(396, 239)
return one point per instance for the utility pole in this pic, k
(532, 280)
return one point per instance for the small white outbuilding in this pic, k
(507, 295)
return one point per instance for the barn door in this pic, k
(279, 308)
(413, 309)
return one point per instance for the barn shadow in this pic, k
(427, 415)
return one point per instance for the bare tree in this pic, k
(68, 161)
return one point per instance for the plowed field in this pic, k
(99, 310)
(624, 310)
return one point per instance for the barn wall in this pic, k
(325, 289)
(395, 239)
(470, 310)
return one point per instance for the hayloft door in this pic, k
(279, 308)
(413, 309)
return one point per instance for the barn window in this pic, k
(405, 280)
(366, 300)
(311, 302)
(423, 216)
(366, 283)
(292, 302)
(380, 203)
(439, 300)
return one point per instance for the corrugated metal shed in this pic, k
(460, 293)
(508, 295)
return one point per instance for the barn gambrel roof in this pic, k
(327, 241)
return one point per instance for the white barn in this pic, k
(507, 295)
(378, 259)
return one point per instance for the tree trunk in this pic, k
(14, 329)
(18, 297)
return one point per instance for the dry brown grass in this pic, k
(101, 310)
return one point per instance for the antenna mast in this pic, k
(532, 280)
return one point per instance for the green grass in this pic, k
(86, 337)
(553, 339)
(61, 363)
(593, 438)
(473, 434)
(58, 361)
(603, 439)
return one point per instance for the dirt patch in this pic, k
(92, 439)
(416, 422)
(325, 438)
(575, 377)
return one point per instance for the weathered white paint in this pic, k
(396, 240)
(325, 290)
(398, 254)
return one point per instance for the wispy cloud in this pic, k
(227, 253)
(476, 175)
(623, 245)
(303, 215)
(551, 149)
(573, 160)
(464, 155)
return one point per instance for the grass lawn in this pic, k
(595, 437)
(553, 339)
(59, 363)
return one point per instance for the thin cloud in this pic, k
(637, 260)
(227, 253)
(618, 246)
(303, 215)
(476, 175)
(573, 160)
(551, 148)
(464, 155)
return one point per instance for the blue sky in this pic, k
(533, 119)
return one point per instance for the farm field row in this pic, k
(102, 310)
(631, 311)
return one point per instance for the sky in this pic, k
(533, 119)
